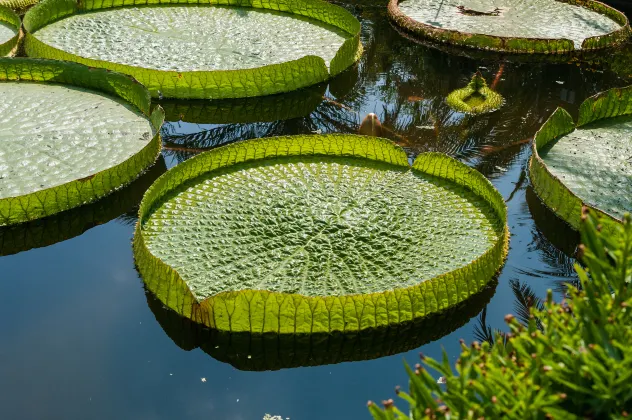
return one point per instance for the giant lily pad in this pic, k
(475, 98)
(589, 164)
(318, 234)
(536, 26)
(200, 51)
(71, 140)
(263, 352)
(9, 30)
(19, 6)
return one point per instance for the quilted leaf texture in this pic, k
(19, 6)
(9, 30)
(200, 49)
(589, 164)
(69, 135)
(514, 26)
(307, 234)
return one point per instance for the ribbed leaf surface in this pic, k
(65, 145)
(201, 50)
(588, 165)
(317, 233)
(534, 26)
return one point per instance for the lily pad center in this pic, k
(317, 226)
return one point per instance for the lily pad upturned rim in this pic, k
(551, 190)
(217, 84)
(268, 352)
(49, 201)
(493, 100)
(8, 16)
(293, 313)
(516, 45)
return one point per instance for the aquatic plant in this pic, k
(475, 98)
(323, 233)
(577, 365)
(70, 135)
(588, 163)
(263, 352)
(9, 30)
(532, 29)
(19, 6)
(247, 49)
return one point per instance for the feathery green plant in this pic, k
(577, 365)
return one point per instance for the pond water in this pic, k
(81, 339)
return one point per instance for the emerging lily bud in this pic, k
(371, 126)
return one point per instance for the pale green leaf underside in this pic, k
(475, 98)
(318, 227)
(193, 38)
(595, 163)
(7, 32)
(545, 19)
(52, 134)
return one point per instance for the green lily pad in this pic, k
(201, 51)
(263, 352)
(318, 234)
(9, 30)
(121, 204)
(589, 164)
(68, 136)
(19, 6)
(536, 26)
(475, 98)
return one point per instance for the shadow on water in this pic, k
(262, 352)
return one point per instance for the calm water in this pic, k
(82, 340)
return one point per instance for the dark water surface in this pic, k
(80, 338)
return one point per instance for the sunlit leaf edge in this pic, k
(11, 18)
(516, 45)
(262, 352)
(220, 84)
(293, 313)
(72, 194)
(551, 190)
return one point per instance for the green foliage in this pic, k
(9, 18)
(287, 292)
(577, 365)
(475, 98)
(580, 165)
(34, 201)
(217, 84)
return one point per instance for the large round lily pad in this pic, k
(318, 234)
(589, 164)
(66, 142)
(201, 51)
(9, 30)
(536, 26)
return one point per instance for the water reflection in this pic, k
(261, 352)
(121, 205)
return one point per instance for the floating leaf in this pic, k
(73, 137)
(588, 165)
(260, 352)
(9, 30)
(19, 6)
(200, 51)
(538, 26)
(122, 204)
(318, 234)
(475, 98)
